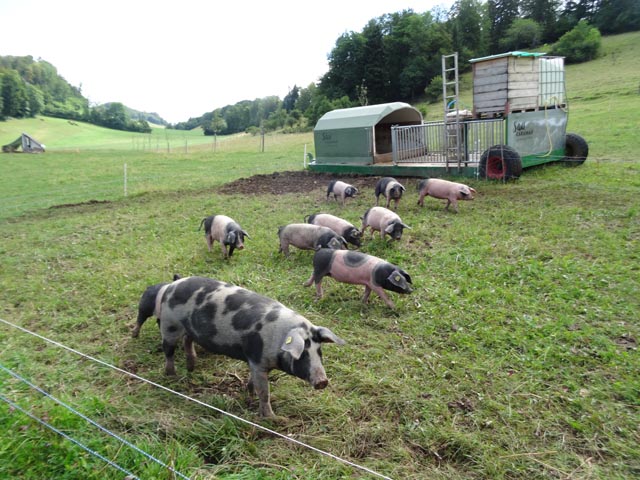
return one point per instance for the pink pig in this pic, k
(358, 268)
(449, 191)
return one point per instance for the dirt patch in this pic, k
(278, 183)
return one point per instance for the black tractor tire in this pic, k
(576, 150)
(500, 162)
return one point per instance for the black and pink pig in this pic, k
(341, 190)
(339, 225)
(224, 230)
(391, 189)
(383, 220)
(147, 305)
(357, 268)
(308, 237)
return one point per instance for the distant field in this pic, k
(515, 357)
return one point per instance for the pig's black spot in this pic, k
(273, 314)
(201, 296)
(253, 347)
(202, 321)
(355, 259)
(258, 327)
(172, 328)
(236, 300)
(234, 350)
(244, 319)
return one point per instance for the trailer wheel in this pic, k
(500, 162)
(576, 150)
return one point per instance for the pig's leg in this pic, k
(367, 292)
(310, 281)
(454, 202)
(209, 241)
(397, 200)
(319, 288)
(223, 247)
(284, 248)
(381, 293)
(169, 349)
(259, 381)
(448, 203)
(190, 352)
(388, 201)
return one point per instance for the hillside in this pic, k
(603, 98)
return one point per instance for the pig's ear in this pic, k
(472, 190)
(405, 225)
(327, 336)
(389, 228)
(406, 276)
(245, 234)
(294, 343)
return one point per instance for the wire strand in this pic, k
(186, 397)
(92, 422)
(71, 439)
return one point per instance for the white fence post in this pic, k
(125, 179)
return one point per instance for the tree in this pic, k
(115, 116)
(501, 13)
(617, 16)
(14, 95)
(466, 30)
(522, 34)
(545, 14)
(346, 67)
(376, 73)
(289, 102)
(580, 44)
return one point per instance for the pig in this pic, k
(341, 190)
(449, 191)
(238, 323)
(384, 221)
(391, 189)
(226, 231)
(360, 269)
(350, 233)
(147, 305)
(308, 237)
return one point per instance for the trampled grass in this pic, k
(515, 356)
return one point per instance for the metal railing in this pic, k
(425, 143)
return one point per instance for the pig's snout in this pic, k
(321, 384)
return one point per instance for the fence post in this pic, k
(125, 179)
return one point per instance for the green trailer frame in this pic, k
(519, 120)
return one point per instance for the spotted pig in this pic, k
(241, 324)
(147, 305)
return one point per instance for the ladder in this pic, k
(452, 128)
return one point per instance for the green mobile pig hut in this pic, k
(360, 135)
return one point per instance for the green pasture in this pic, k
(515, 357)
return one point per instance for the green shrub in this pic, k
(580, 44)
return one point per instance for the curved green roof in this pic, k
(369, 116)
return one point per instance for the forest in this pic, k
(396, 57)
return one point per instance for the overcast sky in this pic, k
(181, 59)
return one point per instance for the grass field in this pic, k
(515, 356)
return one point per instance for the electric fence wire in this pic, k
(92, 422)
(71, 439)
(203, 404)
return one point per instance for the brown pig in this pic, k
(449, 191)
